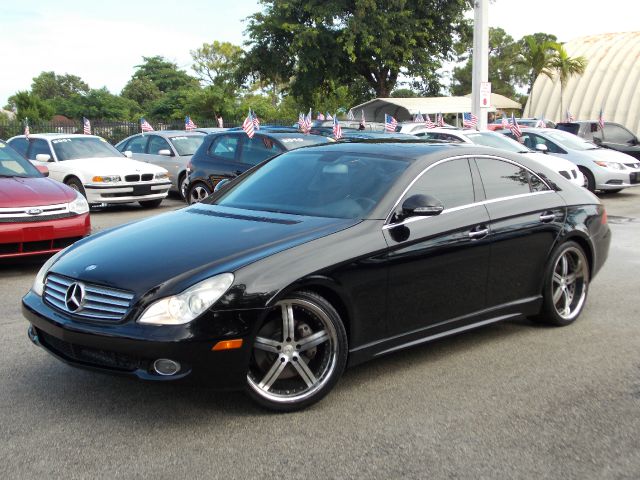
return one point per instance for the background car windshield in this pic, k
(497, 140)
(328, 184)
(569, 140)
(83, 147)
(187, 145)
(13, 165)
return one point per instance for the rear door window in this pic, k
(224, 147)
(503, 179)
(257, 149)
(616, 134)
(138, 144)
(450, 182)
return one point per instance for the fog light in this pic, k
(164, 366)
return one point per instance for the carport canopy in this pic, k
(403, 109)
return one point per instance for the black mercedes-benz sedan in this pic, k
(320, 258)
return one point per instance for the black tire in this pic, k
(566, 284)
(183, 185)
(287, 372)
(151, 203)
(198, 191)
(589, 180)
(76, 184)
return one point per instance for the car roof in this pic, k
(173, 133)
(57, 135)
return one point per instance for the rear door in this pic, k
(526, 219)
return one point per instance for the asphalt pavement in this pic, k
(508, 401)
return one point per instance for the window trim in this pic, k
(388, 224)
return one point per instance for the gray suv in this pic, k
(615, 136)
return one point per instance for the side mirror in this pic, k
(165, 152)
(128, 153)
(43, 157)
(421, 206)
(43, 169)
(541, 147)
(221, 184)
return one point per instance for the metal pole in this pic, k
(480, 70)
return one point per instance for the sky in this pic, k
(102, 42)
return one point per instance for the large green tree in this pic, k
(310, 42)
(142, 91)
(164, 74)
(49, 86)
(31, 106)
(216, 63)
(536, 55)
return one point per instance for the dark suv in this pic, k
(615, 136)
(227, 154)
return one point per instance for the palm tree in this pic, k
(566, 67)
(536, 58)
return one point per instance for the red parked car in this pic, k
(37, 215)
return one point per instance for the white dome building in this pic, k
(611, 81)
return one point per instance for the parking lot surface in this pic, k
(512, 400)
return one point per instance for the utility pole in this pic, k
(480, 72)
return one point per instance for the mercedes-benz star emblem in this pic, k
(74, 298)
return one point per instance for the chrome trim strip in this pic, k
(471, 204)
(47, 210)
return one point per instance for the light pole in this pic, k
(480, 72)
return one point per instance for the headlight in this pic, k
(188, 305)
(106, 179)
(79, 205)
(611, 165)
(162, 176)
(38, 283)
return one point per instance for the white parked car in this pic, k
(496, 140)
(90, 165)
(603, 169)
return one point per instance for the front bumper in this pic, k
(39, 238)
(136, 192)
(615, 180)
(130, 348)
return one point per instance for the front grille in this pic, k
(146, 177)
(132, 178)
(35, 213)
(99, 303)
(91, 356)
(35, 218)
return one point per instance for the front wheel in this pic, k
(76, 184)
(298, 355)
(589, 181)
(197, 192)
(150, 203)
(566, 284)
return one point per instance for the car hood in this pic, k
(553, 162)
(178, 249)
(33, 192)
(109, 166)
(608, 155)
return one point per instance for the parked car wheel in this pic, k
(566, 284)
(589, 180)
(299, 353)
(151, 203)
(183, 185)
(76, 184)
(198, 192)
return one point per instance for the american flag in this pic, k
(428, 123)
(440, 120)
(337, 129)
(26, 128)
(514, 127)
(301, 121)
(188, 123)
(362, 120)
(256, 120)
(541, 123)
(570, 117)
(601, 119)
(320, 116)
(328, 116)
(418, 118)
(350, 115)
(307, 122)
(86, 126)
(390, 123)
(145, 126)
(469, 120)
(505, 121)
(247, 125)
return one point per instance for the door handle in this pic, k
(547, 217)
(475, 234)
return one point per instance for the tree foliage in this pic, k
(165, 75)
(565, 67)
(49, 86)
(217, 63)
(31, 106)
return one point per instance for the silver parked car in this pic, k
(603, 169)
(169, 149)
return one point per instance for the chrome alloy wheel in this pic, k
(569, 283)
(294, 354)
(198, 193)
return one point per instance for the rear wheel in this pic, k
(589, 180)
(150, 203)
(299, 353)
(198, 192)
(566, 285)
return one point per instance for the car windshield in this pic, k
(72, 148)
(570, 141)
(320, 184)
(187, 145)
(13, 165)
(497, 140)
